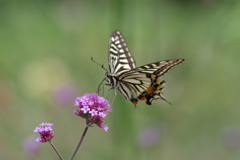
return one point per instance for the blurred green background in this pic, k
(45, 51)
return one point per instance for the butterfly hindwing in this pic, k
(145, 81)
(119, 57)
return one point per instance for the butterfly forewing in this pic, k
(157, 68)
(119, 57)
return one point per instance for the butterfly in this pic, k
(142, 83)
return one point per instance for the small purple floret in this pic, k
(85, 109)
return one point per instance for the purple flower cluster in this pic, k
(93, 108)
(45, 132)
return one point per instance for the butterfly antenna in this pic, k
(99, 64)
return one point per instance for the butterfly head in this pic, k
(107, 77)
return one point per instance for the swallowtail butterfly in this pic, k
(142, 83)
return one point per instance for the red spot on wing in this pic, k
(135, 102)
(143, 99)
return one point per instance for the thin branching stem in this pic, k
(80, 140)
(55, 149)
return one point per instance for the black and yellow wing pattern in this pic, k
(142, 83)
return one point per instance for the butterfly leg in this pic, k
(103, 90)
(100, 85)
(109, 94)
(115, 93)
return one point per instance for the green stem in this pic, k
(81, 140)
(55, 149)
